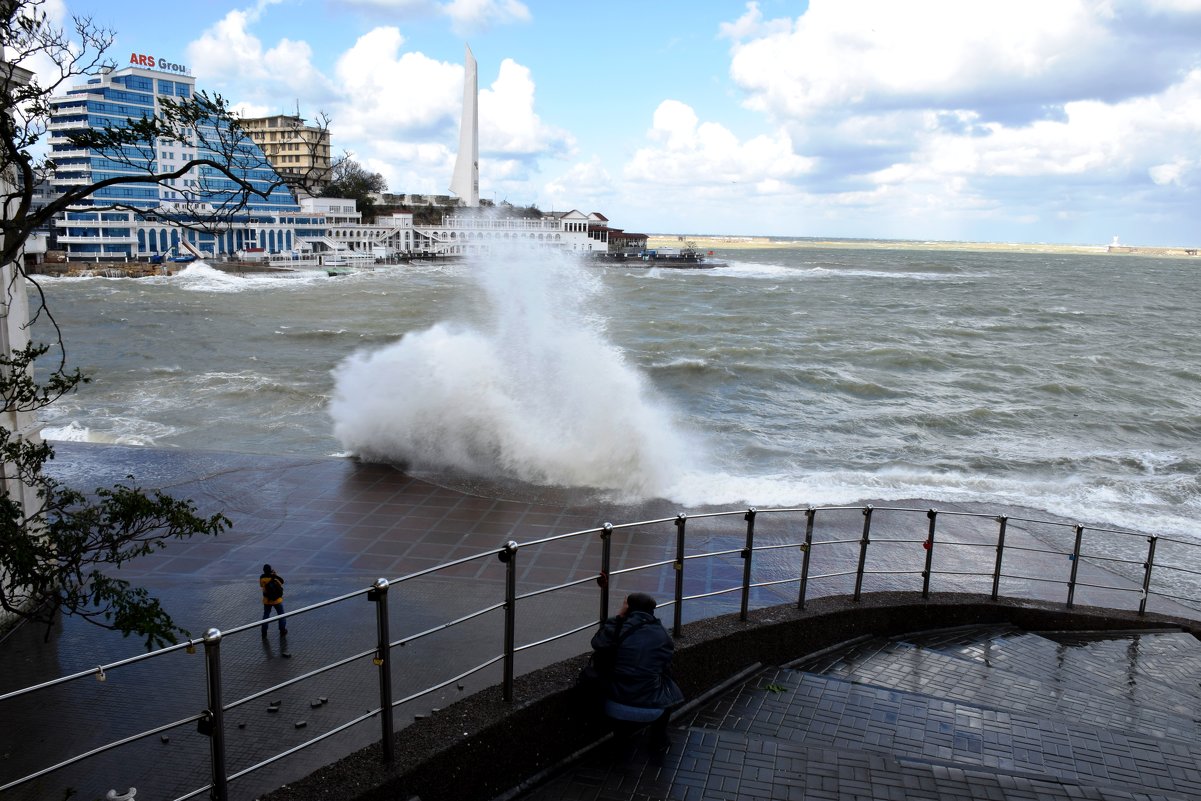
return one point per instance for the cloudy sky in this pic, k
(1068, 121)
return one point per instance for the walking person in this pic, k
(272, 586)
(641, 690)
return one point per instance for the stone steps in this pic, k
(971, 713)
(740, 766)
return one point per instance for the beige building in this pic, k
(293, 148)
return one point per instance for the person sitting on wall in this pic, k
(641, 690)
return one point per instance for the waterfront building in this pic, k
(198, 213)
(189, 216)
(335, 210)
(481, 232)
(387, 237)
(295, 150)
(462, 232)
(621, 241)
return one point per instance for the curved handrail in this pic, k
(780, 547)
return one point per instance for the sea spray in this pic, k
(529, 389)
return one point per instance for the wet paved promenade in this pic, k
(330, 526)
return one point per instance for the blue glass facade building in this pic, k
(93, 230)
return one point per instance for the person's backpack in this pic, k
(274, 590)
(594, 678)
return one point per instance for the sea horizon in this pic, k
(765, 240)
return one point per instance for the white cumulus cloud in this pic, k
(508, 122)
(686, 151)
(959, 111)
(229, 55)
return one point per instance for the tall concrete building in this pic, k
(293, 148)
(147, 218)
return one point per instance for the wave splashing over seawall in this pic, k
(528, 388)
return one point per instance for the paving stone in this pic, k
(1009, 687)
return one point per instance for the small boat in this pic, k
(675, 258)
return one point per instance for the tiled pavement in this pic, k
(886, 732)
(331, 526)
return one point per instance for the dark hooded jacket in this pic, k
(642, 672)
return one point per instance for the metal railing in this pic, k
(959, 551)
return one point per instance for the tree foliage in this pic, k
(350, 180)
(57, 543)
(53, 555)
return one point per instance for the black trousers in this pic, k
(656, 730)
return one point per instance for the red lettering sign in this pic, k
(143, 60)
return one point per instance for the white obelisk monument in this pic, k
(466, 180)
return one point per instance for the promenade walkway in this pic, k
(330, 526)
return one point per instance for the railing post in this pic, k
(806, 549)
(383, 658)
(1075, 557)
(929, 546)
(863, 543)
(996, 573)
(746, 560)
(213, 722)
(606, 535)
(508, 555)
(1142, 605)
(678, 612)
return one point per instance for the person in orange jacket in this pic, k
(273, 598)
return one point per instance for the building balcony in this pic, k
(103, 224)
(461, 223)
(118, 241)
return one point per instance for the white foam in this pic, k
(682, 362)
(1121, 505)
(535, 392)
(760, 270)
(200, 277)
(72, 432)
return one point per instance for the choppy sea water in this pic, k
(1064, 382)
